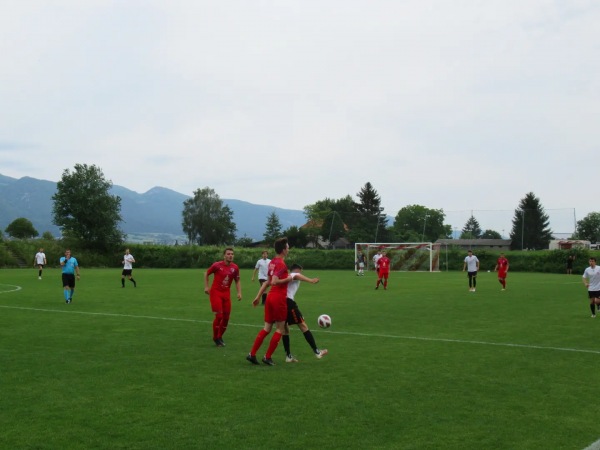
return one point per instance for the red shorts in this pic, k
(384, 274)
(220, 301)
(501, 274)
(276, 307)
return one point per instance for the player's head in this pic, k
(281, 245)
(265, 254)
(470, 252)
(592, 261)
(127, 251)
(228, 254)
(41, 249)
(296, 268)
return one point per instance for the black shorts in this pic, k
(594, 294)
(127, 272)
(294, 316)
(68, 279)
(472, 274)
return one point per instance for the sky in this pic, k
(464, 106)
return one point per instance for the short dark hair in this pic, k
(227, 249)
(296, 267)
(280, 245)
(592, 259)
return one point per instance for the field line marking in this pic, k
(593, 446)
(346, 333)
(18, 288)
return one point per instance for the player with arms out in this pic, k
(276, 304)
(502, 269)
(127, 262)
(384, 270)
(225, 273)
(591, 280)
(294, 316)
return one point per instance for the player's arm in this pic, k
(585, 280)
(275, 280)
(238, 287)
(263, 288)
(77, 270)
(299, 276)
(206, 288)
(254, 273)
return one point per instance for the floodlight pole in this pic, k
(522, 227)
(424, 224)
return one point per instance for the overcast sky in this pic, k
(463, 106)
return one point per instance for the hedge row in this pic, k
(161, 256)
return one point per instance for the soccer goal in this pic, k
(405, 256)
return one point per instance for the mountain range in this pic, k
(154, 216)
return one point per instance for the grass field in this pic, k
(423, 365)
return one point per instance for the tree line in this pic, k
(85, 210)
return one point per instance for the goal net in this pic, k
(404, 256)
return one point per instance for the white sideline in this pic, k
(346, 333)
(594, 446)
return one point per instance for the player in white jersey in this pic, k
(294, 315)
(127, 262)
(591, 280)
(39, 260)
(471, 265)
(262, 267)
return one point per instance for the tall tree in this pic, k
(416, 223)
(371, 222)
(331, 218)
(84, 208)
(471, 230)
(588, 228)
(297, 237)
(530, 225)
(21, 228)
(206, 221)
(491, 234)
(272, 228)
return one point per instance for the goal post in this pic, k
(404, 256)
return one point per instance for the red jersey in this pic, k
(224, 275)
(384, 264)
(278, 269)
(502, 265)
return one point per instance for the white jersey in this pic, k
(471, 262)
(593, 275)
(376, 260)
(292, 288)
(128, 261)
(40, 258)
(263, 268)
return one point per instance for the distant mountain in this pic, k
(152, 216)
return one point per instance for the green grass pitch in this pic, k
(423, 365)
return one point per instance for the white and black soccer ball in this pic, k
(324, 321)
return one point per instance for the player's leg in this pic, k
(132, 280)
(225, 320)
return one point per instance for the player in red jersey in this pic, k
(502, 269)
(224, 274)
(275, 305)
(384, 270)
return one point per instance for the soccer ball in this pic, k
(324, 321)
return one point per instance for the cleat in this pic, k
(218, 343)
(39, 278)
(222, 342)
(268, 361)
(376, 287)
(291, 359)
(320, 353)
(252, 359)
(593, 315)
